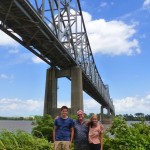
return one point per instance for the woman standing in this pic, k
(95, 133)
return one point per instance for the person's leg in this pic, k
(91, 146)
(95, 146)
(81, 147)
(58, 145)
(85, 147)
(66, 145)
(76, 147)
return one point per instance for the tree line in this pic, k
(136, 117)
(16, 118)
(127, 117)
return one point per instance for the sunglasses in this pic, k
(80, 114)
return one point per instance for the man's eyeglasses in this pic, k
(80, 114)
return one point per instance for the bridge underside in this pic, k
(19, 20)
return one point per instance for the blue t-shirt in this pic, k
(63, 127)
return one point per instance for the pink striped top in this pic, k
(94, 134)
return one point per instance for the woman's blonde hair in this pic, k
(90, 123)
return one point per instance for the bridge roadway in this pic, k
(20, 20)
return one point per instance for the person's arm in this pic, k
(101, 136)
(72, 135)
(101, 140)
(54, 133)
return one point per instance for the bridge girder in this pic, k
(50, 28)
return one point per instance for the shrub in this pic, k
(123, 137)
(22, 141)
(43, 127)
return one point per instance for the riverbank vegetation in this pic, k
(43, 127)
(119, 136)
(21, 140)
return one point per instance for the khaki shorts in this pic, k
(62, 145)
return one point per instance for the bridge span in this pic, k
(54, 30)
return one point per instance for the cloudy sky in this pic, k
(119, 34)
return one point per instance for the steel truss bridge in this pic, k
(54, 30)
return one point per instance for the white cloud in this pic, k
(128, 105)
(5, 76)
(106, 37)
(103, 4)
(7, 40)
(147, 97)
(12, 46)
(20, 58)
(91, 106)
(146, 4)
(132, 105)
(13, 50)
(37, 60)
(18, 107)
(111, 37)
(143, 36)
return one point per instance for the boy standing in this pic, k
(63, 131)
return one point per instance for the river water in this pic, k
(13, 125)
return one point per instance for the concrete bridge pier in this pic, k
(76, 90)
(50, 103)
(105, 119)
(108, 111)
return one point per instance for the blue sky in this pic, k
(119, 35)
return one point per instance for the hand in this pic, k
(54, 145)
(70, 144)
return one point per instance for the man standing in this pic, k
(80, 132)
(63, 131)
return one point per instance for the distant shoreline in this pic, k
(17, 118)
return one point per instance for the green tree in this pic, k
(123, 137)
(139, 115)
(147, 117)
(43, 127)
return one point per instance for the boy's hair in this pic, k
(64, 107)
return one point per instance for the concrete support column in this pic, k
(76, 90)
(108, 111)
(50, 103)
